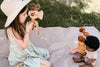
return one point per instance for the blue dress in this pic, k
(30, 56)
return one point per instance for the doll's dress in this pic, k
(30, 56)
(82, 48)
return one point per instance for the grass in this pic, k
(58, 14)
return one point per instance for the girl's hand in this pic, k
(84, 54)
(29, 27)
(91, 61)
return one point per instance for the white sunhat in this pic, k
(11, 8)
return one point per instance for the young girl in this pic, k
(90, 57)
(21, 49)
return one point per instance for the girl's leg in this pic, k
(78, 60)
(22, 65)
(86, 65)
(44, 63)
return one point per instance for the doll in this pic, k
(83, 32)
(34, 14)
(90, 56)
(81, 47)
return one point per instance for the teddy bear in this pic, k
(34, 14)
(92, 45)
(81, 47)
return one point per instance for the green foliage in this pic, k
(2, 18)
(80, 4)
(58, 14)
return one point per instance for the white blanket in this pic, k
(57, 40)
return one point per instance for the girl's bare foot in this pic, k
(77, 60)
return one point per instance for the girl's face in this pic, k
(89, 49)
(23, 16)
